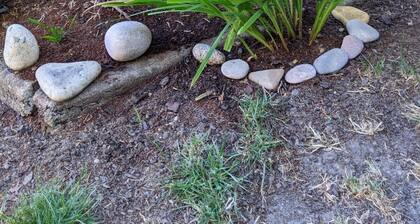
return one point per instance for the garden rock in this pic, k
(352, 46)
(331, 61)
(128, 40)
(200, 51)
(300, 73)
(63, 81)
(21, 49)
(235, 69)
(347, 13)
(268, 79)
(362, 31)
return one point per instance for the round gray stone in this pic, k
(352, 45)
(21, 49)
(331, 61)
(200, 52)
(361, 30)
(128, 40)
(300, 73)
(235, 69)
(63, 81)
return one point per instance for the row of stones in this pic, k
(124, 41)
(331, 61)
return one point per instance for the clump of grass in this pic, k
(321, 141)
(413, 113)
(204, 180)
(376, 66)
(256, 139)
(370, 187)
(407, 70)
(367, 126)
(54, 34)
(55, 203)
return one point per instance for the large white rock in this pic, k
(128, 40)
(269, 79)
(331, 61)
(200, 52)
(361, 30)
(21, 49)
(300, 73)
(63, 81)
(235, 69)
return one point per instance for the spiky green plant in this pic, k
(263, 20)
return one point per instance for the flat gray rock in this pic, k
(21, 49)
(269, 79)
(128, 40)
(352, 45)
(361, 30)
(331, 61)
(63, 81)
(300, 73)
(235, 69)
(200, 52)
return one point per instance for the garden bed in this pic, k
(129, 157)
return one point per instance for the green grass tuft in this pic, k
(54, 203)
(204, 179)
(256, 139)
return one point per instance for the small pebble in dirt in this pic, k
(352, 46)
(347, 13)
(331, 61)
(128, 40)
(300, 73)
(63, 81)
(21, 49)
(362, 31)
(269, 79)
(164, 81)
(235, 69)
(200, 51)
(173, 106)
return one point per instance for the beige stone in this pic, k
(268, 79)
(347, 13)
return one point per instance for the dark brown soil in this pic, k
(130, 162)
(86, 26)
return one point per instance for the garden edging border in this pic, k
(108, 86)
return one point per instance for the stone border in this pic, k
(16, 92)
(108, 86)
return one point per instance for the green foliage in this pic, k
(407, 70)
(256, 139)
(54, 34)
(54, 203)
(323, 11)
(263, 20)
(203, 179)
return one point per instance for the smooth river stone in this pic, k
(362, 31)
(200, 52)
(128, 40)
(347, 13)
(63, 81)
(331, 61)
(235, 69)
(269, 79)
(352, 46)
(21, 49)
(300, 73)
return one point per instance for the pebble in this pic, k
(128, 40)
(300, 73)
(164, 81)
(362, 31)
(268, 79)
(331, 61)
(21, 49)
(352, 46)
(347, 13)
(173, 106)
(200, 51)
(63, 81)
(235, 69)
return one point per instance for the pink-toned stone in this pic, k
(352, 45)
